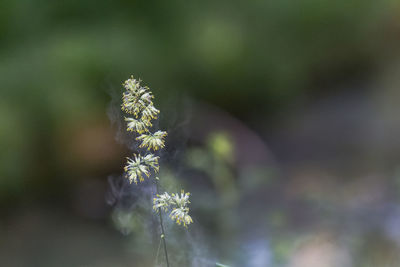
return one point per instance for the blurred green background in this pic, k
(283, 120)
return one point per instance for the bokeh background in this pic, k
(283, 121)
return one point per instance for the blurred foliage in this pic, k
(63, 61)
(59, 59)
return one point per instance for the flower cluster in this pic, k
(137, 102)
(178, 204)
(140, 166)
(153, 141)
(136, 125)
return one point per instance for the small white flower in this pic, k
(130, 103)
(151, 161)
(149, 113)
(162, 201)
(139, 166)
(131, 84)
(134, 104)
(146, 95)
(181, 200)
(178, 205)
(136, 126)
(181, 215)
(153, 141)
(136, 99)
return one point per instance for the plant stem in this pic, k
(162, 229)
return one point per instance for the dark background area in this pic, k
(283, 121)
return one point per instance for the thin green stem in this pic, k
(162, 229)
(158, 252)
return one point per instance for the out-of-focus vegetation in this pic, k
(315, 182)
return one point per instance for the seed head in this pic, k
(139, 166)
(153, 141)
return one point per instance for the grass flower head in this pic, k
(139, 166)
(177, 203)
(137, 100)
(153, 141)
(136, 125)
(181, 215)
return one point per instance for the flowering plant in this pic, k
(137, 102)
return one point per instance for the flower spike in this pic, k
(137, 100)
(136, 126)
(139, 166)
(177, 204)
(153, 141)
